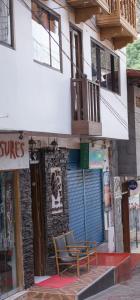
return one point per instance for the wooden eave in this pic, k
(86, 128)
(117, 28)
(85, 9)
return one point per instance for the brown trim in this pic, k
(79, 30)
(18, 231)
(46, 65)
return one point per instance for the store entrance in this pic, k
(38, 211)
(8, 270)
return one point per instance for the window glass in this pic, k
(116, 74)
(46, 36)
(94, 61)
(5, 22)
(105, 67)
(108, 71)
(55, 49)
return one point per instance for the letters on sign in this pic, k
(12, 149)
(14, 152)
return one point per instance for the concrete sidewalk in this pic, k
(128, 290)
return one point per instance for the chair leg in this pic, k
(78, 268)
(88, 262)
(57, 266)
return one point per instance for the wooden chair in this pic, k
(63, 255)
(88, 246)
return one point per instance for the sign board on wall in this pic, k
(56, 190)
(92, 158)
(14, 152)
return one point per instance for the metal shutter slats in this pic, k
(76, 203)
(85, 204)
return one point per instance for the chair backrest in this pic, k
(60, 245)
(69, 237)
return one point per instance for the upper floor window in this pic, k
(6, 22)
(105, 67)
(46, 36)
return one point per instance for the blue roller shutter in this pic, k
(85, 198)
(76, 203)
(94, 219)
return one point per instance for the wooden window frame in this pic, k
(11, 9)
(112, 55)
(51, 12)
(79, 31)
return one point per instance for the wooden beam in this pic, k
(83, 14)
(111, 32)
(122, 41)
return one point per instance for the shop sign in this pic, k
(132, 184)
(93, 158)
(14, 152)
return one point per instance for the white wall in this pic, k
(37, 98)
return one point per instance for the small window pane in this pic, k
(40, 29)
(108, 71)
(46, 36)
(55, 49)
(116, 74)
(103, 68)
(5, 22)
(94, 61)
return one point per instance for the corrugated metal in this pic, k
(94, 205)
(85, 204)
(74, 159)
(76, 203)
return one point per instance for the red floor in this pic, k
(111, 259)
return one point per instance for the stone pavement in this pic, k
(127, 290)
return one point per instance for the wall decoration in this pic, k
(56, 189)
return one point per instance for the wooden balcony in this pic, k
(85, 107)
(85, 9)
(120, 25)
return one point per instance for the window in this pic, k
(105, 67)
(46, 36)
(6, 22)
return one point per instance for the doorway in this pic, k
(38, 216)
(76, 52)
(125, 217)
(11, 275)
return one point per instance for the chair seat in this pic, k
(68, 259)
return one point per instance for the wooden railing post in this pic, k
(85, 97)
(85, 100)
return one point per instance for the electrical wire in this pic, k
(115, 113)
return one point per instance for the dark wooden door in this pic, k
(125, 217)
(39, 240)
(76, 52)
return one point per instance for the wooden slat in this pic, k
(120, 23)
(85, 106)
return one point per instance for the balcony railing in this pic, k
(120, 24)
(85, 107)
(126, 9)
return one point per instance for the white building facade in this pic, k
(63, 87)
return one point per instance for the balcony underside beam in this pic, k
(111, 32)
(122, 41)
(83, 14)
